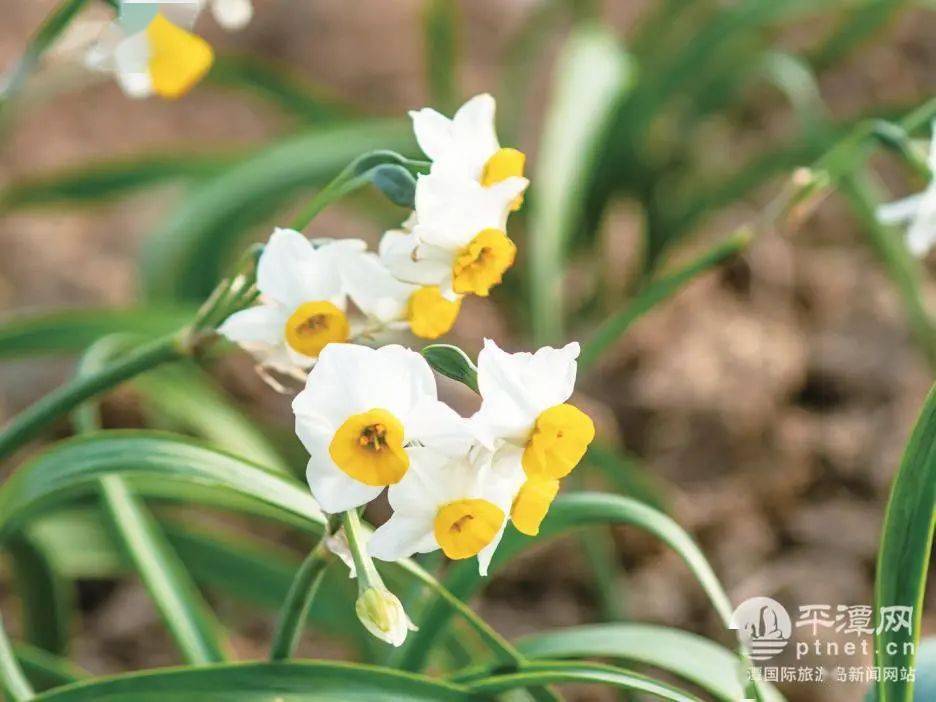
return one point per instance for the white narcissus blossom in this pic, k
(457, 503)
(466, 146)
(918, 211)
(459, 237)
(360, 415)
(151, 50)
(391, 303)
(303, 302)
(525, 419)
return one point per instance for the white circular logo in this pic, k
(764, 625)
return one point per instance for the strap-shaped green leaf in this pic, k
(308, 681)
(906, 544)
(46, 597)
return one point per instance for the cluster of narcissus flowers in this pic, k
(370, 418)
(453, 243)
(151, 50)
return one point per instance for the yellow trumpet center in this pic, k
(464, 527)
(369, 448)
(429, 313)
(504, 164)
(481, 264)
(314, 325)
(560, 438)
(178, 58)
(532, 503)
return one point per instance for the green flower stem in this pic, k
(367, 574)
(29, 423)
(295, 609)
(13, 681)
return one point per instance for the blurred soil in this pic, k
(773, 398)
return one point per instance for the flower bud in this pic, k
(382, 614)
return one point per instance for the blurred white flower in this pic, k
(456, 503)
(151, 51)
(466, 146)
(303, 302)
(360, 415)
(525, 419)
(917, 212)
(458, 240)
(382, 614)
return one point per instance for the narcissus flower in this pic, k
(360, 416)
(525, 419)
(458, 504)
(303, 302)
(151, 50)
(391, 303)
(459, 237)
(466, 146)
(917, 212)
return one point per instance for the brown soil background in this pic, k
(774, 397)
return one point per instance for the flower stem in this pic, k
(295, 609)
(366, 570)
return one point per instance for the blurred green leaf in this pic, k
(610, 330)
(592, 76)
(906, 545)
(77, 543)
(154, 464)
(313, 681)
(46, 670)
(70, 331)
(185, 395)
(548, 672)
(626, 476)
(47, 599)
(453, 363)
(689, 656)
(279, 85)
(104, 180)
(185, 257)
(440, 34)
(13, 682)
(185, 613)
(857, 24)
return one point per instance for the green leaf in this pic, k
(106, 180)
(187, 616)
(857, 25)
(692, 658)
(77, 543)
(568, 512)
(46, 597)
(308, 681)
(155, 465)
(626, 476)
(440, 34)
(184, 395)
(46, 670)
(548, 672)
(72, 331)
(13, 682)
(279, 85)
(453, 363)
(592, 76)
(655, 292)
(185, 257)
(906, 544)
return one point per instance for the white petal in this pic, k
(375, 291)
(414, 263)
(182, 13)
(516, 387)
(333, 489)
(401, 536)
(487, 553)
(264, 323)
(433, 132)
(232, 14)
(131, 61)
(432, 480)
(291, 271)
(436, 425)
(900, 211)
(475, 135)
(921, 237)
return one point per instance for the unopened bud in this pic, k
(382, 614)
